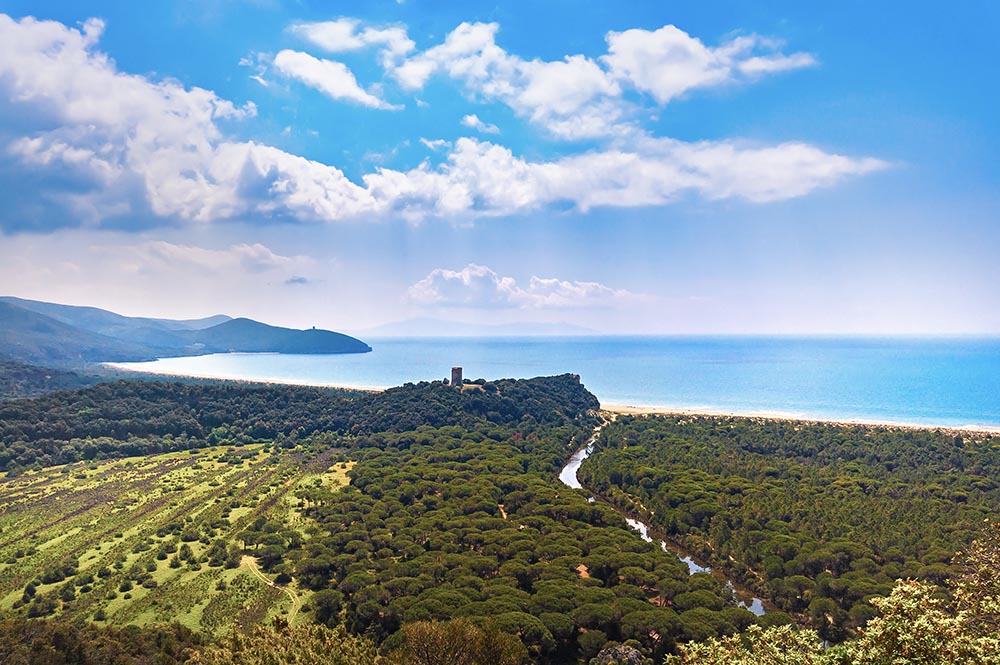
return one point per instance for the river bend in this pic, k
(568, 477)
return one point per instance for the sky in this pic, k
(625, 168)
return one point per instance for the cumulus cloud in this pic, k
(477, 286)
(579, 97)
(130, 150)
(668, 62)
(132, 147)
(330, 77)
(551, 94)
(473, 122)
(346, 34)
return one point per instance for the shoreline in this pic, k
(215, 377)
(639, 410)
(619, 409)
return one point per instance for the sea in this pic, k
(951, 382)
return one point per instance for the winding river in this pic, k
(568, 477)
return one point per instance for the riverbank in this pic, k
(747, 597)
(638, 410)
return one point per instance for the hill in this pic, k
(67, 335)
(248, 335)
(32, 337)
(108, 323)
(23, 380)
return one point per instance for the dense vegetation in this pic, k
(139, 418)
(424, 525)
(40, 642)
(467, 522)
(820, 518)
(917, 625)
(453, 511)
(19, 380)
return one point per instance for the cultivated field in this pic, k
(170, 537)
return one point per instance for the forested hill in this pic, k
(18, 380)
(129, 418)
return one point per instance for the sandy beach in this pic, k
(632, 410)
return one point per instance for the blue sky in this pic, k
(639, 167)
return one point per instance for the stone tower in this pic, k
(456, 376)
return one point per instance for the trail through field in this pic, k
(250, 564)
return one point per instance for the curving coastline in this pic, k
(638, 410)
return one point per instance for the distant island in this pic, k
(67, 335)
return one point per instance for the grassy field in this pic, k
(153, 539)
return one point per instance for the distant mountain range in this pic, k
(428, 327)
(48, 333)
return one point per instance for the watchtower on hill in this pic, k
(456, 376)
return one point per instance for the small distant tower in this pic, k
(456, 376)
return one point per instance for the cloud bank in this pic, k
(479, 287)
(123, 150)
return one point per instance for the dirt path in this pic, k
(250, 564)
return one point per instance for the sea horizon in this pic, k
(927, 380)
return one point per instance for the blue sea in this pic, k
(930, 381)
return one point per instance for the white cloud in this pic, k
(759, 65)
(344, 35)
(669, 62)
(435, 144)
(551, 94)
(484, 179)
(244, 258)
(579, 97)
(259, 63)
(147, 147)
(332, 78)
(477, 286)
(472, 121)
(144, 150)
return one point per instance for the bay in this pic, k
(930, 381)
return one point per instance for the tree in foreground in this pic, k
(281, 644)
(918, 627)
(457, 642)
(780, 645)
(977, 592)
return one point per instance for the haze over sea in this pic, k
(929, 381)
